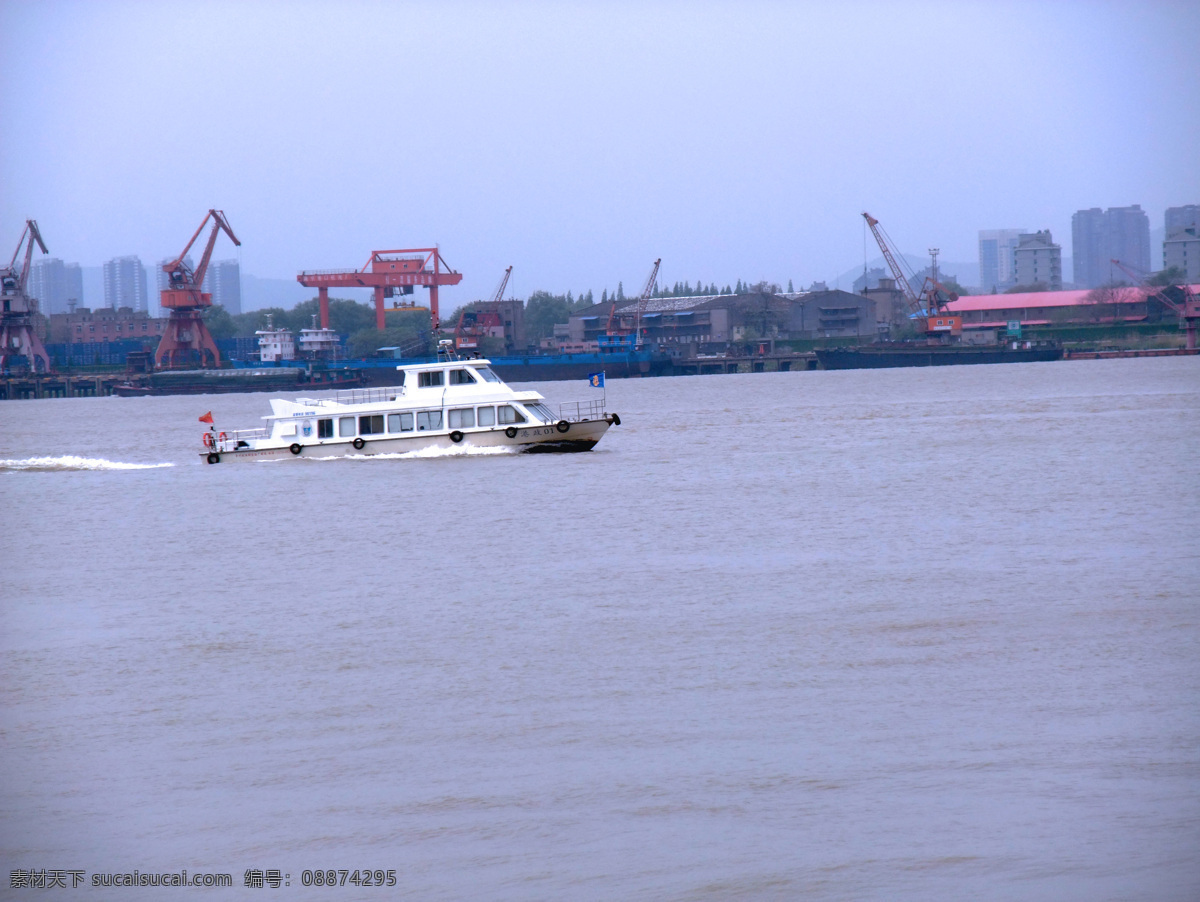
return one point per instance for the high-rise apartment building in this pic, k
(125, 284)
(1039, 260)
(55, 284)
(997, 260)
(1178, 218)
(223, 281)
(1088, 248)
(1100, 236)
(1129, 236)
(1181, 244)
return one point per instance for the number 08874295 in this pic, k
(342, 877)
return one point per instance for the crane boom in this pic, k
(645, 296)
(914, 303)
(1188, 310)
(178, 270)
(498, 295)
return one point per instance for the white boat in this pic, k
(452, 403)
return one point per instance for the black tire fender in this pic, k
(358, 444)
(511, 431)
(296, 447)
(214, 458)
(616, 420)
(456, 436)
(562, 426)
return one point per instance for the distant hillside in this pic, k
(966, 273)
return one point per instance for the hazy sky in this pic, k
(580, 141)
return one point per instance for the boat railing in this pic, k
(356, 396)
(237, 438)
(578, 411)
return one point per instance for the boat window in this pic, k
(345, 426)
(370, 425)
(462, 418)
(400, 422)
(488, 375)
(324, 428)
(510, 414)
(429, 419)
(429, 379)
(487, 416)
(461, 377)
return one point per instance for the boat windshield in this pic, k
(541, 411)
(486, 374)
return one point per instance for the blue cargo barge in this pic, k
(525, 368)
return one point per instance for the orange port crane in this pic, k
(388, 273)
(927, 309)
(17, 335)
(1187, 306)
(485, 320)
(613, 337)
(186, 336)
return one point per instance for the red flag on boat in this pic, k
(207, 418)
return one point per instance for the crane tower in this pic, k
(186, 337)
(17, 336)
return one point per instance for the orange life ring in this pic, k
(208, 439)
(222, 437)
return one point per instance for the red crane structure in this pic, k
(614, 338)
(17, 337)
(484, 320)
(185, 333)
(928, 307)
(1188, 307)
(388, 273)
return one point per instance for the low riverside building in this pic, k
(833, 314)
(1098, 306)
(707, 324)
(85, 326)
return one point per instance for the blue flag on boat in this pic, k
(596, 380)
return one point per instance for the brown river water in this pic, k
(907, 634)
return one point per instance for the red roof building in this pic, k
(1040, 308)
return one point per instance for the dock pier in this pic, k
(761, 363)
(57, 385)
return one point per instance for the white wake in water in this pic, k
(72, 462)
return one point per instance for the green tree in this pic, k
(1172, 275)
(219, 323)
(410, 332)
(1025, 289)
(542, 311)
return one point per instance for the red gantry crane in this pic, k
(616, 337)
(927, 309)
(185, 333)
(388, 273)
(1188, 306)
(17, 336)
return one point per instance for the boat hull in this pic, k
(579, 436)
(889, 357)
